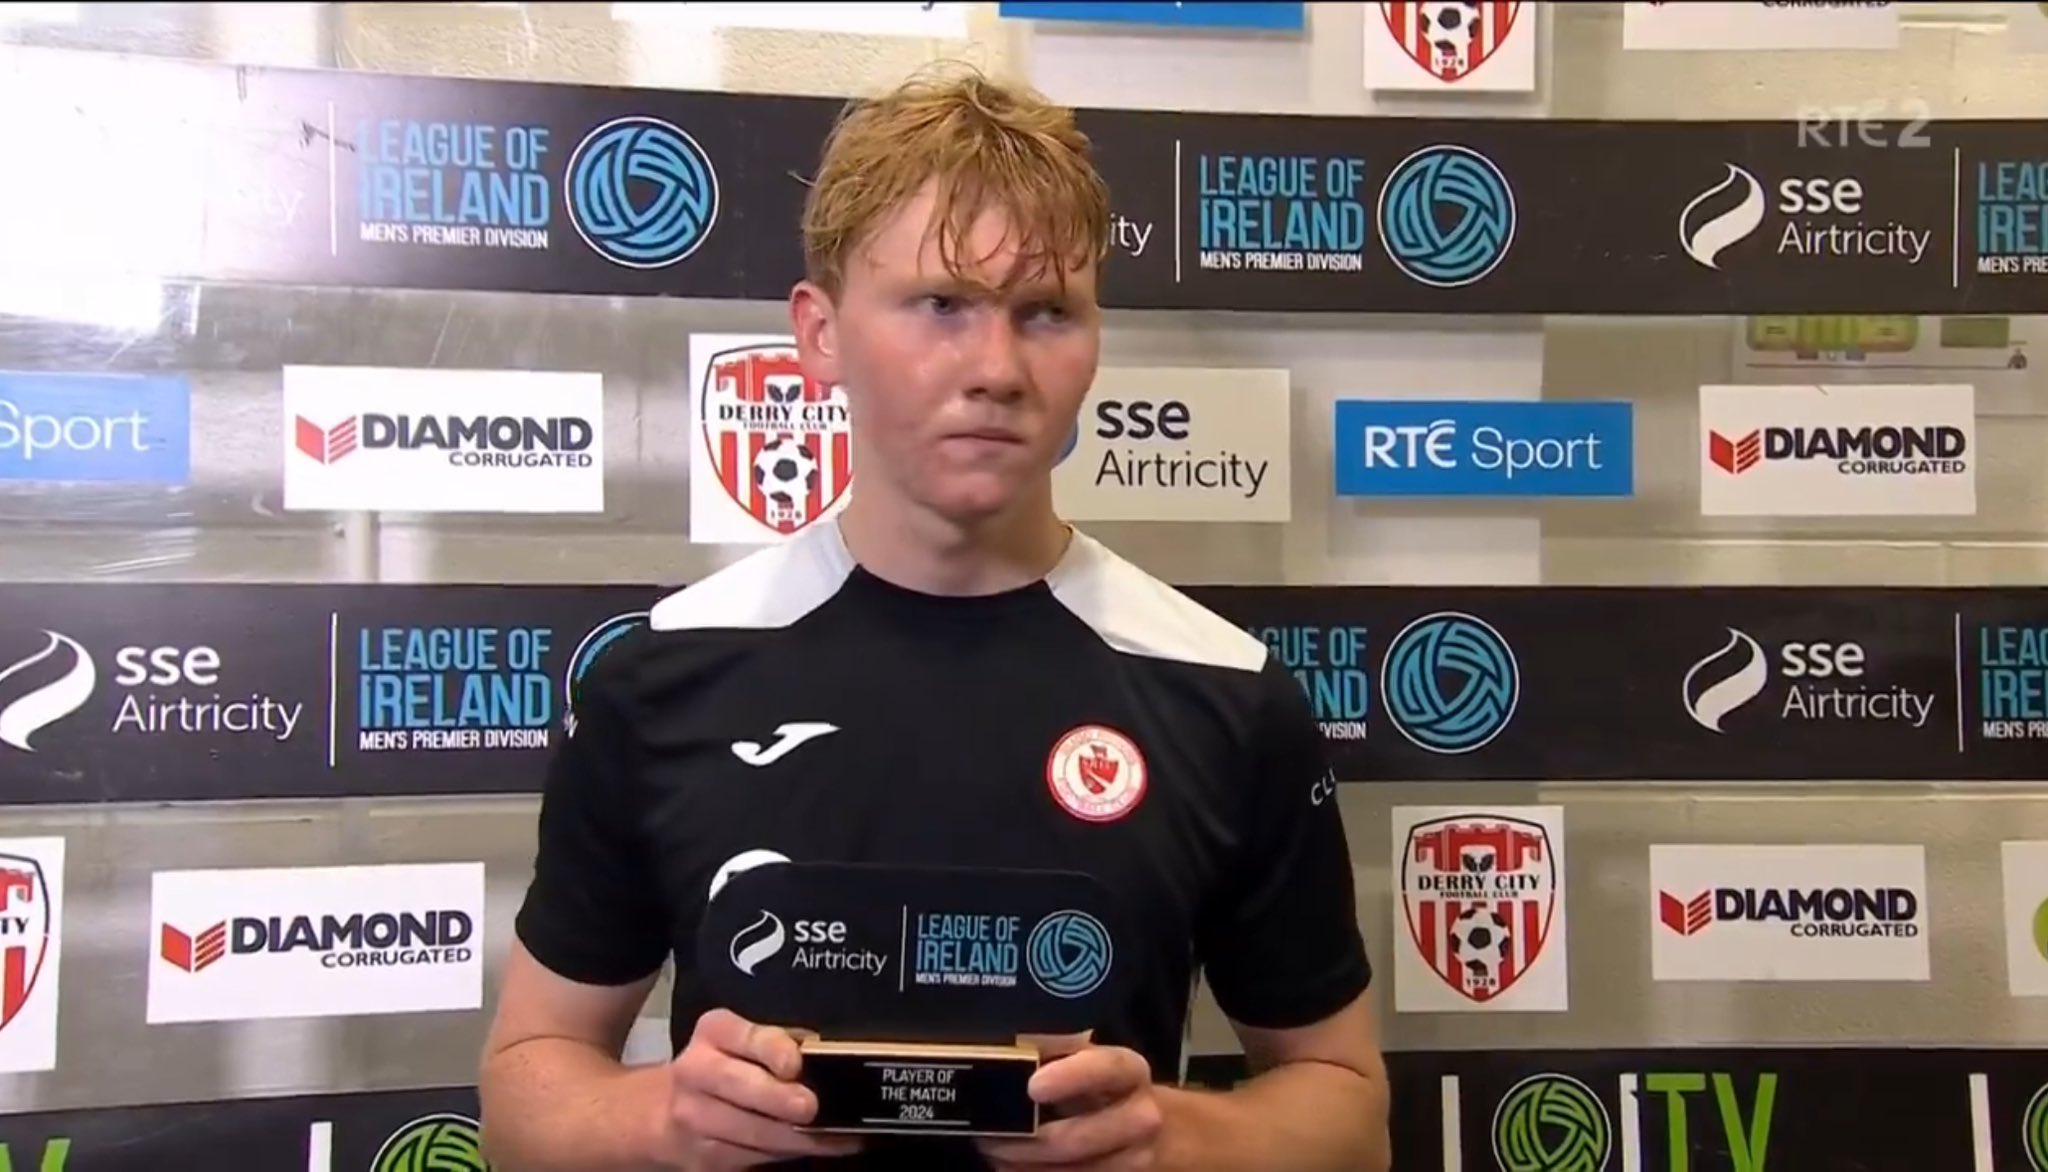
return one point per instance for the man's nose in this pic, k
(998, 359)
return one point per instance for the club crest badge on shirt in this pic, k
(1096, 773)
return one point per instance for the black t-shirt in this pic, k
(897, 727)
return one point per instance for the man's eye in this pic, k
(941, 304)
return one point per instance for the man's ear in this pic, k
(814, 320)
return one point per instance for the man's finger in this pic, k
(773, 1049)
(720, 1122)
(1107, 1070)
(747, 1086)
(1084, 1139)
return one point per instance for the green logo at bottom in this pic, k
(2036, 1134)
(434, 1143)
(1551, 1123)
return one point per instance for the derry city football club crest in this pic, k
(1479, 894)
(779, 444)
(1450, 40)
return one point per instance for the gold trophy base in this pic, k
(921, 1088)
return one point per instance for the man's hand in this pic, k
(1109, 1115)
(734, 1101)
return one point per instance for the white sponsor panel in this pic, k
(1487, 46)
(851, 16)
(31, 945)
(1479, 906)
(2026, 917)
(443, 441)
(1804, 912)
(771, 451)
(1710, 24)
(1170, 444)
(254, 943)
(1838, 451)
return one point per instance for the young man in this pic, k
(923, 674)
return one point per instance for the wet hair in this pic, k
(984, 144)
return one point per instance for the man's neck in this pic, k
(916, 550)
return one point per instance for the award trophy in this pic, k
(914, 989)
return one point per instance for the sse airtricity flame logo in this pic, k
(1704, 239)
(757, 942)
(1725, 681)
(30, 713)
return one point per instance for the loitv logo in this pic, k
(56, 1154)
(1554, 1122)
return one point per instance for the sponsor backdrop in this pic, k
(1711, 1110)
(232, 691)
(1685, 1110)
(447, 183)
(237, 691)
(436, 441)
(1179, 444)
(1440, 447)
(1221, 14)
(770, 450)
(84, 428)
(1833, 451)
(386, 1131)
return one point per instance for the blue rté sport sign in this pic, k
(1217, 15)
(1433, 447)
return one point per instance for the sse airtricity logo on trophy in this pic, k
(1447, 216)
(642, 193)
(1450, 683)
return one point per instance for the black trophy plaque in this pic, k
(918, 990)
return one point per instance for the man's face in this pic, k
(961, 390)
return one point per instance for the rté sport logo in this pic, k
(1484, 448)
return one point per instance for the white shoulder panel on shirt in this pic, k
(1137, 614)
(769, 588)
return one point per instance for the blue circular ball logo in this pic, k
(1450, 682)
(1447, 216)
(642, 193)
(1068, 954)
(1067, 448)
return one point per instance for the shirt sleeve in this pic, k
(1282, 947)
(592, 911)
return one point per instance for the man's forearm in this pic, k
(553, 1105)
(1300, 1117)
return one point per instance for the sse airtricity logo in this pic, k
(1069, 954)
(22, 717)
(757, 942)
(1711, 222)
(1551, 1123)
(1724, 681)
(444, 1142)
(642, 194)
(1450, 683)
(1447, 216)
